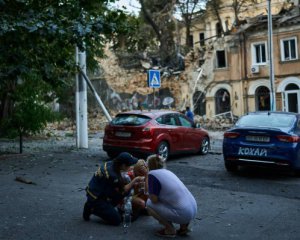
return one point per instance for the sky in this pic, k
(133, 6)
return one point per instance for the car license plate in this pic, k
(257, 138)
(249, 151)
(123, 134)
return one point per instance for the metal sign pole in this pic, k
(153, 98)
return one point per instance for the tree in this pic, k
(159, 14)
(29, 114)
(37, 44)
(188, 10)
(240, 6)
(216, 6)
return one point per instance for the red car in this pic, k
(154, 131)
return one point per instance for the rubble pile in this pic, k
(123, 80)
(97, 122)
(67, 127)
(219, 123)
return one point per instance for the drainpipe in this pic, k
(244, 53)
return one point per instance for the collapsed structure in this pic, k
(227, 73)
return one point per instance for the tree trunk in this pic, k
(21, 141)
(160, 20)
(187, 34)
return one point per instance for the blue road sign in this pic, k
(154, 78)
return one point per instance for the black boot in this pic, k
(86, 212)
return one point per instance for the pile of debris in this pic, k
(218, 123)
(97, 122)
(67, 127)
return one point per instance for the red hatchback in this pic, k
(155, 131)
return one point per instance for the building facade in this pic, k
(235, 65)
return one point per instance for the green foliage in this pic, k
(136, 35)
(30, 113)
(37, 45)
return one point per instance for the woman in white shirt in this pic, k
(169, 199)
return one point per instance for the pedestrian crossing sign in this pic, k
(154, 78)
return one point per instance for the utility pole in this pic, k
(271, 65)
(81, 102)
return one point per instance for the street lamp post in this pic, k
(271, 65)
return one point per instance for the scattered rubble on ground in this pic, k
(97, 122)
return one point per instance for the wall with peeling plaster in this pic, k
(121, 88)
(123, 100)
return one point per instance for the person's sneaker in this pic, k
(86, 212)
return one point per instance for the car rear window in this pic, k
(272, 120)
(130, 120)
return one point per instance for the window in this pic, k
(130, 120)
(184, 122)
(221, 59)
(267, 120)
(191, 41)
(259, 53)
(222, 101)
(168, 120)
(288, 49)
(219, 29)
(262, 98)
(201, 39)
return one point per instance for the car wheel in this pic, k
(163, 150)
(204, 146)
(231, 167)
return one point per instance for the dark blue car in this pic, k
(265, 139)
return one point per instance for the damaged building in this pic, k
(235, 64)
(226, 73)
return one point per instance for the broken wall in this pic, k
(126, 89)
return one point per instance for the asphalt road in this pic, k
(254, 204)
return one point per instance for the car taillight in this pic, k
(290, 139)
(231, 135)
(147, 132)
(108, 131)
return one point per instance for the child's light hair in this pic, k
(140, 168)
(155, 161)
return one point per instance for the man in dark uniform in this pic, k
(107, 189)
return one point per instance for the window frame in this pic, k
(254, 53)
(217, 59)
(202, 40)
(282, 49)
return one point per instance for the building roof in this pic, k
(260, 22)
